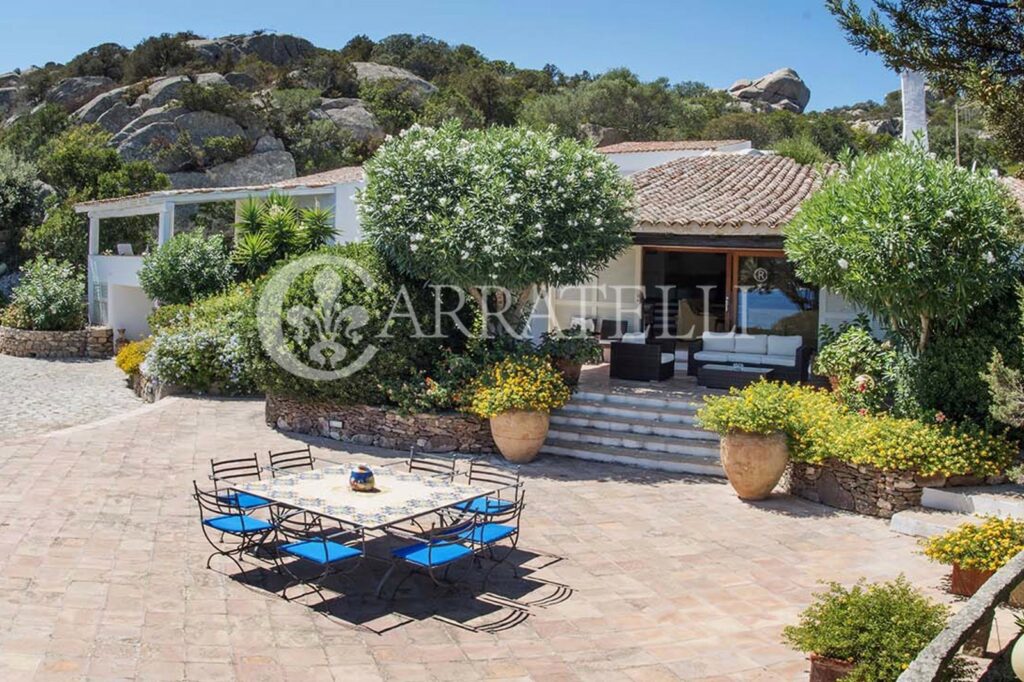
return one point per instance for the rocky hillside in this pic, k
(256, 108)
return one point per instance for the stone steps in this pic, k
(647, 459)
(639, 430)
(945, 508)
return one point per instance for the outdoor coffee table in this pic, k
(399, 496)
(731, 376)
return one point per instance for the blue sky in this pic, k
(707, 40)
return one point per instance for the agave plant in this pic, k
(273, 229)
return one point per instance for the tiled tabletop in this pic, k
(398, 495)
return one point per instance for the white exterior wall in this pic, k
(128, 309)
(613, 294)
(634, 162)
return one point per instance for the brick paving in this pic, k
(668, 577)
(45, 395)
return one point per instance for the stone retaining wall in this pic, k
(93, 342)
(867, 490)
(381, 426)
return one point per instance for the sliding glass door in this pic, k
(771, 299)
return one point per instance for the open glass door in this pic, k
(771, 299)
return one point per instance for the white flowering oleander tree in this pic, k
(501, 207)
(912, 239)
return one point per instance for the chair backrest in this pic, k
(484, 471)
(434, 466)
(291, 459)
(613, 329)
(296, 525)
(241, 467)
(510, 515)
(210, 502)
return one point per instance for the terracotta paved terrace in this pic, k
(625, 574)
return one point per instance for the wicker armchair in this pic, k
(654, 360)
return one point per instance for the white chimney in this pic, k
(915, 116)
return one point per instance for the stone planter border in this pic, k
(383, 427)
(867, 490)
(92, 342)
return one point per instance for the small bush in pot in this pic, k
(49, 297)
(570, 351)
(517, 395)
(870, 632)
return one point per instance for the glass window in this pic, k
(771, 299)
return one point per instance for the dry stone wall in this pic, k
(94, 342)
(381, 426)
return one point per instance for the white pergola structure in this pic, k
(116, 298)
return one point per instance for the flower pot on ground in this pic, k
(875, 629)
(754, 462)
(519, 434)
(975, 551)
(829, 669)
(570, 350)
(752, 424)
(517, 395)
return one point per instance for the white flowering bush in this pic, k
(912, 239)
(211, 345)
(504, 207)
(188, 267)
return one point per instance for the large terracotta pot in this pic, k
(828, 669)
(519, 435)
(966, 581)
(754, 463)
(570, 370)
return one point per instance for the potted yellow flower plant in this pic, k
(517, 396)
(976, 551)
(752, 424)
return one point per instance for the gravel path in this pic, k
(38, 396)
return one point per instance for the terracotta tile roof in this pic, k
(712, 192)
(325, 179)
(667, 146)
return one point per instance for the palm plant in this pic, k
(274, 229)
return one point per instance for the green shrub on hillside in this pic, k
(186, 268)
(50, 296)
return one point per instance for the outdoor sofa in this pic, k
(787, 356)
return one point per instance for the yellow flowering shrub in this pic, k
(527, 383)
(131, 356)
(820, 429)
(982, 547)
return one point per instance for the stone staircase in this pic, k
(650, 432)
(945, 508)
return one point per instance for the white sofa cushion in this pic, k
(745, 358)
(782, 360)
(752, 343)
(667, 358)
(784, 345)
(711, 356)
(719, 343)
(634, 337)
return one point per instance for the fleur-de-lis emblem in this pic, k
(327, 324)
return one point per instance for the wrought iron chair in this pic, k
(486, 472)
(241, 468)
(433, 553)
(432, 466)
(302, 540)
(291, 459)
(496, 529)
(228, 519)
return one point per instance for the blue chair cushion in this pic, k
(238, 524)
(484, 505)
(321, 551)
(423, 554)
(486, 533)
(243, 500)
